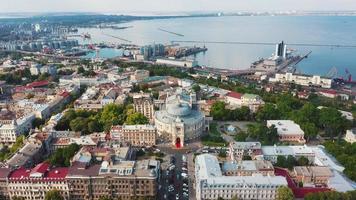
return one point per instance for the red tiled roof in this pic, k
(234, 95)
(329, 92)
(23, 88)
(54, 173)
(297, 191)
(38, 84)
(64, 94)
(40, 168)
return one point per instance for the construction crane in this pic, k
(332, 73)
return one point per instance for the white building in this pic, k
(287, 130)
(10, 129)
(211, 184)
(178, 63)
(271, 153)
(180, 120)
(304, 80)
(350, 136)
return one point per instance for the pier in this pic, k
(116, 37)
(171, 32)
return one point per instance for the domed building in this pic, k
(180, 120)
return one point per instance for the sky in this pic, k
(136, 6)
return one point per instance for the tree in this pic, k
(310, 130)
(281, 161)
(268, 112)
(284, 193)
(80, 70)
(290, 162)
(303, 161)
(333, 122)
(78, 124)
(136, 118)
(196, 88)
(53, 195)
(62, 156)
(218, 111)
(111, 115)
(94, 126)
(37, 122)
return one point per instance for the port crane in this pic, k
(340, 79)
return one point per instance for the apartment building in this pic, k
(36, 182)
(143, 103)
(121, 179)
(136, 135)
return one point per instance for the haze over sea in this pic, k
(340, 30)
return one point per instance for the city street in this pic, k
(174, 177)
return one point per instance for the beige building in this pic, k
(237, 150)
(121, 179)
(136, 135)
(315, 175)
(143, 103)
(248, 168)
(139, 75)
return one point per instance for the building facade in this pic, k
(248, 168)
(136, 135)
(143, 103)
(304, 80)
(36, 182)
(287, 130)
(212, 184)
(125, 179)
(180, 120)
(237, 150)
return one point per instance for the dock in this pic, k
(171, 32)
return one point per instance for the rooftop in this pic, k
(246, 145)
(286, 127)
(209, 170)
(234, 95)
(46, 173)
